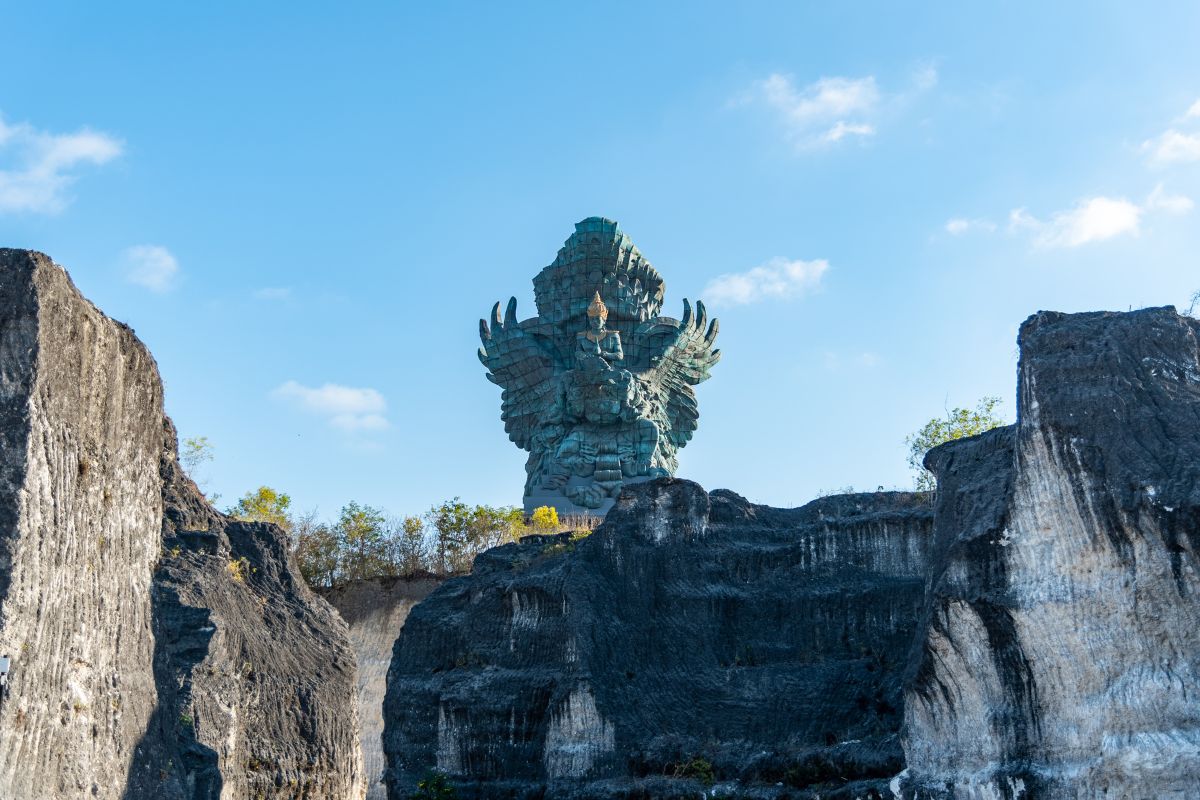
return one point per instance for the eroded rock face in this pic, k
(1060, 656)
(80, 513)
(375, 611)
(766, 642)
(159, 649)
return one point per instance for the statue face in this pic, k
(596, 323)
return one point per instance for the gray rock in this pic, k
(1060, 653)
(159, 649)
(375, 611)
(769, 643)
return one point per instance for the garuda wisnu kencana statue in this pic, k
(597, 387)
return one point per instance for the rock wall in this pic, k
(80, 512)
(375, 611)
(690, 632)
(159, 649)
(1060, 653)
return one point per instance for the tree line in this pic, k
(366, 542)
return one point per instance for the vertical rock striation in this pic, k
(1060, 655)
(158, 648)
(690, 631)
(80, 510)
(375, 611)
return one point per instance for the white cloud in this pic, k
(1093, 219)
(1173, 147)
(151, 266)
(1159, 200)
(827, 110)
(778, 278)
(1096, 219)
(959, 226)
(273, 293)
(36, 167)
(346, 407)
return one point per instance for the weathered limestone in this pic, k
(375, 611)
(598, 386)
(1060, 656)
(768, 642)
(80, 513)
(158, 648)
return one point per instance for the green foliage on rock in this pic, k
(264, 504)
(365, 542)
(958, 423)
(434, 786)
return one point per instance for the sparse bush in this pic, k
(696, 769)
(434, 786)
(958, 423)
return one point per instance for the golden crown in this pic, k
(597, 308)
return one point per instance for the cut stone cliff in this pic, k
(1060, 653)
(688, 629)
(159, 649)
(375, 611)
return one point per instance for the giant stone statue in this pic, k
(597, 387)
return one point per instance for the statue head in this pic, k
(597, 313)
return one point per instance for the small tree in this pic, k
(264, 504)
(544, 519)
(316, 549)
(958, 423)
(1192, 308)
(409, 546)
(194, 452)
(361, 539)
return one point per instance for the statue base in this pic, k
(564, 506)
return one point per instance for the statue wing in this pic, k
(678, 355)
(520, 364)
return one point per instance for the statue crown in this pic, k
(597, 307)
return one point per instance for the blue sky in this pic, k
(304, 211)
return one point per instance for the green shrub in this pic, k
(434, 786)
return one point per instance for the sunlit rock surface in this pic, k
(768, 643)
(158, 648)
(1060, 656)
(375, 611)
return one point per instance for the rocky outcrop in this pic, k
(691, 636)
(1060, 652)
(158, 648)
(375, 611)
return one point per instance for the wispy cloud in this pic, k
(151, 266)
(827, 110)
(1177, 144)
(833, 109)
(779, 278)
(273, 293)
(345, 407)
(960, 225)
(37, 167)
(1092, 219)
(1160, 200)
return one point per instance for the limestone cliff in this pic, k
(1060, 653)
(375, 611)
(689, 630)
(158, 649)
